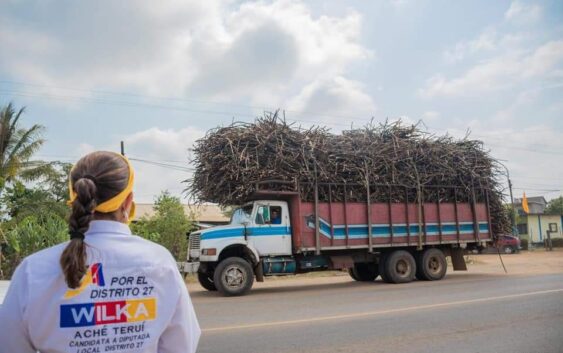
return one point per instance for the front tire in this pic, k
(206, 281)
(233, 277)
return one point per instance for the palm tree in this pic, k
(17, 146)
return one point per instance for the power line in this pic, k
(163, 165)
(206, 111)
(550, 190)
(183, 100)
(534, 185)
(156, 106)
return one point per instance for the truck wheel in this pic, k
(382, 260)
(431, 265)
(364, 272)
(400, 267)
(507, 249)
(233, 276)
(206, 281)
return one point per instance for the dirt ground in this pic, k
(525, 262)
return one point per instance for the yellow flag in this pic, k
(525, 204)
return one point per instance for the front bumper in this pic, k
(190, 267)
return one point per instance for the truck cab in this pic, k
(257, 229)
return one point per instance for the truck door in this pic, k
(271, 234)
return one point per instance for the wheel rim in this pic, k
(508, 250)
(234, 277)
(402, 268)
(434, 265)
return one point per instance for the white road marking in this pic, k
(379, 312)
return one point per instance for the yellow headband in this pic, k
(115, 202)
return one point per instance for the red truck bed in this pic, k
(345, 225)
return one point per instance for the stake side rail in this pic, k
(422, 221)
(407, 216)
(347, 231)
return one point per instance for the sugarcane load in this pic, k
(385, 199)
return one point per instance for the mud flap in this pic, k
(259, 272)
(458, 262)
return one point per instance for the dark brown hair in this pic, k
(96, 178)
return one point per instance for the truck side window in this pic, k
(263, 215)
(276, 215)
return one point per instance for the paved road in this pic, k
(463, 313)
(3, 289)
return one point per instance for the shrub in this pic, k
(28, 236)
(168, 226)
(524, 244)
(557, 242)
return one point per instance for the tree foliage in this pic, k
(555, 206)
(29, 235)
(17, 147)
(168, 226)
(46, 196)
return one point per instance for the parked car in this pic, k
(508, 244)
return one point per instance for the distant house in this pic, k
(536, 204)
(535, 225)
(205, 215)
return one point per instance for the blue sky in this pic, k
(158, 75)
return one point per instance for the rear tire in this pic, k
(364, 272)
(400, 267)
(206, 281)
(233, 276)
(382, 265)
(431, 265)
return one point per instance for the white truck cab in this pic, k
(257, 229)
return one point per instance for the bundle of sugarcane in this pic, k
(400, 162)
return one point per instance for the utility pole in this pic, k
(513, 211)
(123, 154)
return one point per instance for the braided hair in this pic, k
(96, 178)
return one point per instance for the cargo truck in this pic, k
(278, 233)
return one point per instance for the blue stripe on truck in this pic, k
(252, 231)
(356, 231)
(359, 231)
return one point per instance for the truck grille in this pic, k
(194, 245)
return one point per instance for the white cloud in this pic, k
(261, 52)
(85, 148)
(334, 100)
(523, 13)
(170, 147)
(157, 143)
(430, 117)
(487, 41)
(499, 72)
(530, 153)
(399, 4)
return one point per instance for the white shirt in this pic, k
(132, 299)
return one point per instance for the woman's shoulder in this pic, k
(45, 260)
(149, 250)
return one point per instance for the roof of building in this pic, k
(534, 199)
(205, 213)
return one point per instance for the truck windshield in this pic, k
(241, 215)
